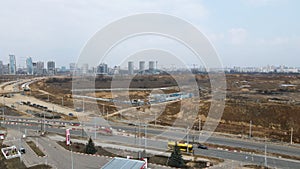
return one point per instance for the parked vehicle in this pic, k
(201, 146)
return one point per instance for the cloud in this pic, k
(216, 37)
(274, 41)
(237, 36)
(260, 3)
(58, 29)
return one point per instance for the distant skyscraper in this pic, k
(40, 68)
(1, 68)
(29, 66)
(142, 66)
(51, 67)
(102, 69)
(72, 67)
(130, 68)
(151, 65)
(12, 64)
(63, 69)
(85, 68)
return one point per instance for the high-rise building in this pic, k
(40, 69)
(29, 66)
(5, 69)
(102, 69)
(142, 66)
(12, 65)
(130, 68)
(85, 68)
(72, 67)
(151, 65)
(34, 66)
(1, 68)
(51, 67)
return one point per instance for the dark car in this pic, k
(201, 146)
(22, 150)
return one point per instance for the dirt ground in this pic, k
(270, 101)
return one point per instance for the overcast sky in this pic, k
(244, 32)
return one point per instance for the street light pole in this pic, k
(83, 104)
(155, 118)
(72, 161)
(292, 135)
(145, 136)
(250, 129)
(95, 130)
(266, 163)
(199, 128)
(134, 134)
(44, 123)
(3, 115)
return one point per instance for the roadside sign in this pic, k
(68, 141)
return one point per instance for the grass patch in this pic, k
(33, 146)
(80, 148)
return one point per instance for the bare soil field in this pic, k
(270, 101)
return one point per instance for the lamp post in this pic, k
(250, 129)
(199, 128)
(292, 135)
(72, 161)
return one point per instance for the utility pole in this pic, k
(44, 123)
(199, 128)
(187, 139)
(145, 136)
(82, 128)
(292, 135)
(266, 163)
(2, 116)
(83, 104)
(140, 133)
(95, 129)
(107, 116)
(250, 129)
(155, 118)
(72, 161)
(134, 134)
(102, 109)
(53, 112)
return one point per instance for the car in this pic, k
(201, 146)
(22, 150)
(71, 114)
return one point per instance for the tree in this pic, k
(90, 147)
(176, 159)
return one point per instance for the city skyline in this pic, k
(59, 32)
(129, 67)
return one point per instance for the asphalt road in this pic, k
(250, 158)
(231, 142)
(162, 145)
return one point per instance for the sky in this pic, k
(243, 32)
